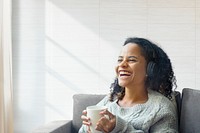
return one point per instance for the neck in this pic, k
(136, 95)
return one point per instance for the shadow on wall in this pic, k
(78, 60)
(111, 20)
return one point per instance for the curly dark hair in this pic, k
(160, 75)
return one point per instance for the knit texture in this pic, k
(157, 115)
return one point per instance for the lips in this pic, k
(123, 73)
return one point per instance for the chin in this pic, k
(122, 84)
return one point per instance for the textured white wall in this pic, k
(63, 47)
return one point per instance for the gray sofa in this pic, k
(188, 110)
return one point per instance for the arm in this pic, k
(168, 124)
(123, 127)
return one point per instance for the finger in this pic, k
(105, 124)
(106, 112)
(84, 112)
(102, 127)
(88, 129)
(85, 118)
(86, 123)
(99, 126)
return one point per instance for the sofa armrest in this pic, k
(62, 126)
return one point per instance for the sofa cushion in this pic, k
(81, 101)
(190, 111)
(178, 103)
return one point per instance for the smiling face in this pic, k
(131, 67)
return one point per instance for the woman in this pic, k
(141, 98)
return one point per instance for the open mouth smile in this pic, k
(124, 73)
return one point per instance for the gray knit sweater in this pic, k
(157, 115)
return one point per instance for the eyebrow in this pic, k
(129, 57)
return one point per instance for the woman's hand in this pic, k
(105, 124)
(86, 120)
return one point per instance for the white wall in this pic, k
(63, 47)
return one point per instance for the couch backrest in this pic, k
(81, 101)
(178, 102)
(190, 111)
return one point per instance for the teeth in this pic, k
(124, 72)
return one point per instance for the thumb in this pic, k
(107, 114)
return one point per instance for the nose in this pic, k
(123, 63)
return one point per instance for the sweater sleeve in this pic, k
(104, 101)
(123, 127)
(83, 129)
(167, 124)
(167, 120)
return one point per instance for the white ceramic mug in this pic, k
(93, 114)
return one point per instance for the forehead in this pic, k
(131, 49)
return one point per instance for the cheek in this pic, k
(141, 71)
